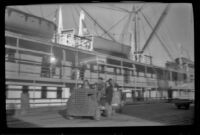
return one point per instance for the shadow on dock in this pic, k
(17, 123)
(165, 113)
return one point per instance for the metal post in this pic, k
(64, 59)
(50, 63)
(18, 56)
(76, 61)
(97, 67)
(122, 73)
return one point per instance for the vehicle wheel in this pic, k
(69, 118)
(178, 106)
(187, 107)
(108, 110)
(97, 114)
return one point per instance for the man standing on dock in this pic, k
(100, 90)
(109, 96)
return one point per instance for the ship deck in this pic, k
(155, 114)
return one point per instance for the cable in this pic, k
(115, 24)
(147, 20)
(125, 27)
(167, 38)
(122, 9)
(164, 40)
(97, 23)
(166, 35)
(110, 8)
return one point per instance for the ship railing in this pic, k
(84, 42)
(151, 93)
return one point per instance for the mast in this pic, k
(60, 21)
(136, 36)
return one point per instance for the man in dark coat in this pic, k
(109, 92)
(100, 89)
(109, 96)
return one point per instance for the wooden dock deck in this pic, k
(158, 114)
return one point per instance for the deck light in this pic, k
(52, 60)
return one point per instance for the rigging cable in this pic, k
(163, 33)
(109, 8)
(169, 39)
(122, 9)
(114, 25)
(126, 26)
(74, 18)
(145, 34)
(98, 24)
(161, 37)
(156, 35)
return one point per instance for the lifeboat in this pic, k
(28, 24)
(110, 47)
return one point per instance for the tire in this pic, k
(108, 111)
(178, 106)
(97, 114)
(187, 107)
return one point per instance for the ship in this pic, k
(49, 62)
